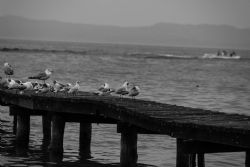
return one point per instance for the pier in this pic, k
(197, 131)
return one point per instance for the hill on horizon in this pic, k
(169, 34)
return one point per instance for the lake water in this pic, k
(184, 79)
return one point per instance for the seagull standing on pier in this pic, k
(74, 89)
(43, 75)
(58, 86)
(44, 89)
(134, 91)
(28, 85)
(104, 88)
(123, 90)
(12, 84)
(4, 83)
(8, 70)
(66, 88)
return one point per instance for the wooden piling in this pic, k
(128, 157)
(23, 129)
(85, 140)
(12, 110)
(56, 142)
(247, 159)
(46, 121)
(201, 160)
(14, 124)
(184, 159)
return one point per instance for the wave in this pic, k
(160, 55)
(6, 49)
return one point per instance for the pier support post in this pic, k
(13, 110)
(247, 160)
(46, 121)
(201, 160)
(128, 157)
(14, 124)
(56, 142)
(23, 129)
(184, 159)
(85, 140)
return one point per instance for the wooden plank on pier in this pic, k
(176, 121)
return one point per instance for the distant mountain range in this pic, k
(169, 34)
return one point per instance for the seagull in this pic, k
(66, 88)
(44, 89)
(15, 85)
(123, 90)
(57, 86)
(74, 89)
(37, 86)
(4, 83)
(106, 93)
(104, 87)
(43, 75)
(134, 91)
(28, 85)
(34, 84)
(8, 70)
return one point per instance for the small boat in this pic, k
(218, 56)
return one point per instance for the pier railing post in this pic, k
(56, 142)
(128, 157)
(85, 140)
(184, 159)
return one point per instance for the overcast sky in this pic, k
(133, 12)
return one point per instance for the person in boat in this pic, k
(219, 53)
(224, 53)
(232, 53)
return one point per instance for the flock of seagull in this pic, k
(18, 85)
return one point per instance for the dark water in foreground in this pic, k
(220, 85)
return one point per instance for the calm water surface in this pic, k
(219, 85)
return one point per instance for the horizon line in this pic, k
(130, 26)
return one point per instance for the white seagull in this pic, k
(104, 87)
(106, 93)
(74, 89)
(43, 75)
(4, 83)
(134, 91)
(28, 85)
(44, 89)
(57, 86)
(8, 70)
(123, 90)
(13, 84)
(66, 88)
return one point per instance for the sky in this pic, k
(133, 12)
